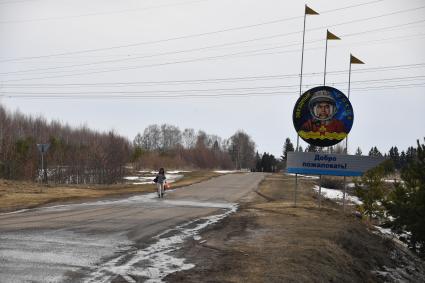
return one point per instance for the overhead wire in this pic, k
(183, 36)
(178, 96)
(216, 91)
(231, 43)
(222, 80)
(88, 72)
(101, 13)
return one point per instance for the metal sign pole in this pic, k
(320, 191)
(344, 194)
(42, 148)
(346, 138)
(42, 171)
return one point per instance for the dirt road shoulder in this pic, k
(16, 195)
(269, 240)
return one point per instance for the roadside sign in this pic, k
(43, 147)
(323, 116)
(316, 163)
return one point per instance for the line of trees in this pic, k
(76, 155)
(81, 155)
(167, 145)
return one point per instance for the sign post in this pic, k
(42, 148)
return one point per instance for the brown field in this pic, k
(15, 195)
(270, 240)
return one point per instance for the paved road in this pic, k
(128, 240)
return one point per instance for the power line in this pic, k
(231, 79)
(392, 79)
(15, 2)
(182, 93)
(88, 72)
(182, 96)
(231, 43)
(101, 13)
(182, 37)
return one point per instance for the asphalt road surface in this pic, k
(122, 240)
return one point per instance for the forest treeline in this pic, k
(81, 155)
(167, 144)
(75, 155)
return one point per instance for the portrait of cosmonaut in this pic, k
(323, 116)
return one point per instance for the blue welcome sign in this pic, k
(330, 164)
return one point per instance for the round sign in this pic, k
(323, 116)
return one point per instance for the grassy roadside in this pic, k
(15, 195)
(270, 240)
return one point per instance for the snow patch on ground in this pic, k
(337, 195)
(37, 252)
(225, 171)
(146, 177)
(155, 262)
(303, 176)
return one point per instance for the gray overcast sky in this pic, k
(248, 49)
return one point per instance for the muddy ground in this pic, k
(270, 240)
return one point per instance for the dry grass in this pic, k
(270, 240)
(15, 195)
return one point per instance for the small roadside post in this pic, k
(42, 148)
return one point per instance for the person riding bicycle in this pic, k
(160, 181)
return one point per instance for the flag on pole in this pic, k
(331, 36)
(310, 11)
(354, 60)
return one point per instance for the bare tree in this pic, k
(188, 138)
(242, 150)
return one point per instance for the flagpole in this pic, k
(301, 73)
(346, 138)
(326, 56)
(349, 87)
(307, 11)
(301, 83)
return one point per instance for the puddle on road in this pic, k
(155, 262)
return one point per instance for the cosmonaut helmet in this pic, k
(318, 97)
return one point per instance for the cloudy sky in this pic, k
(214, 65)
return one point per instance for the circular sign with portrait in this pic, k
(323, 116)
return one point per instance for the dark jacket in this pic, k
(160, 178)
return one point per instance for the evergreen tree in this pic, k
(288, 146)
(375, 152)
(372, 190)
(358, 151)
(311, 148)
(403, 160)
(406, 204)
(395, 156)
(411, 154)
(268, 163)
(258, 165)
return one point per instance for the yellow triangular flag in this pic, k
(331, 36)
(354, 60)
(310, 11)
